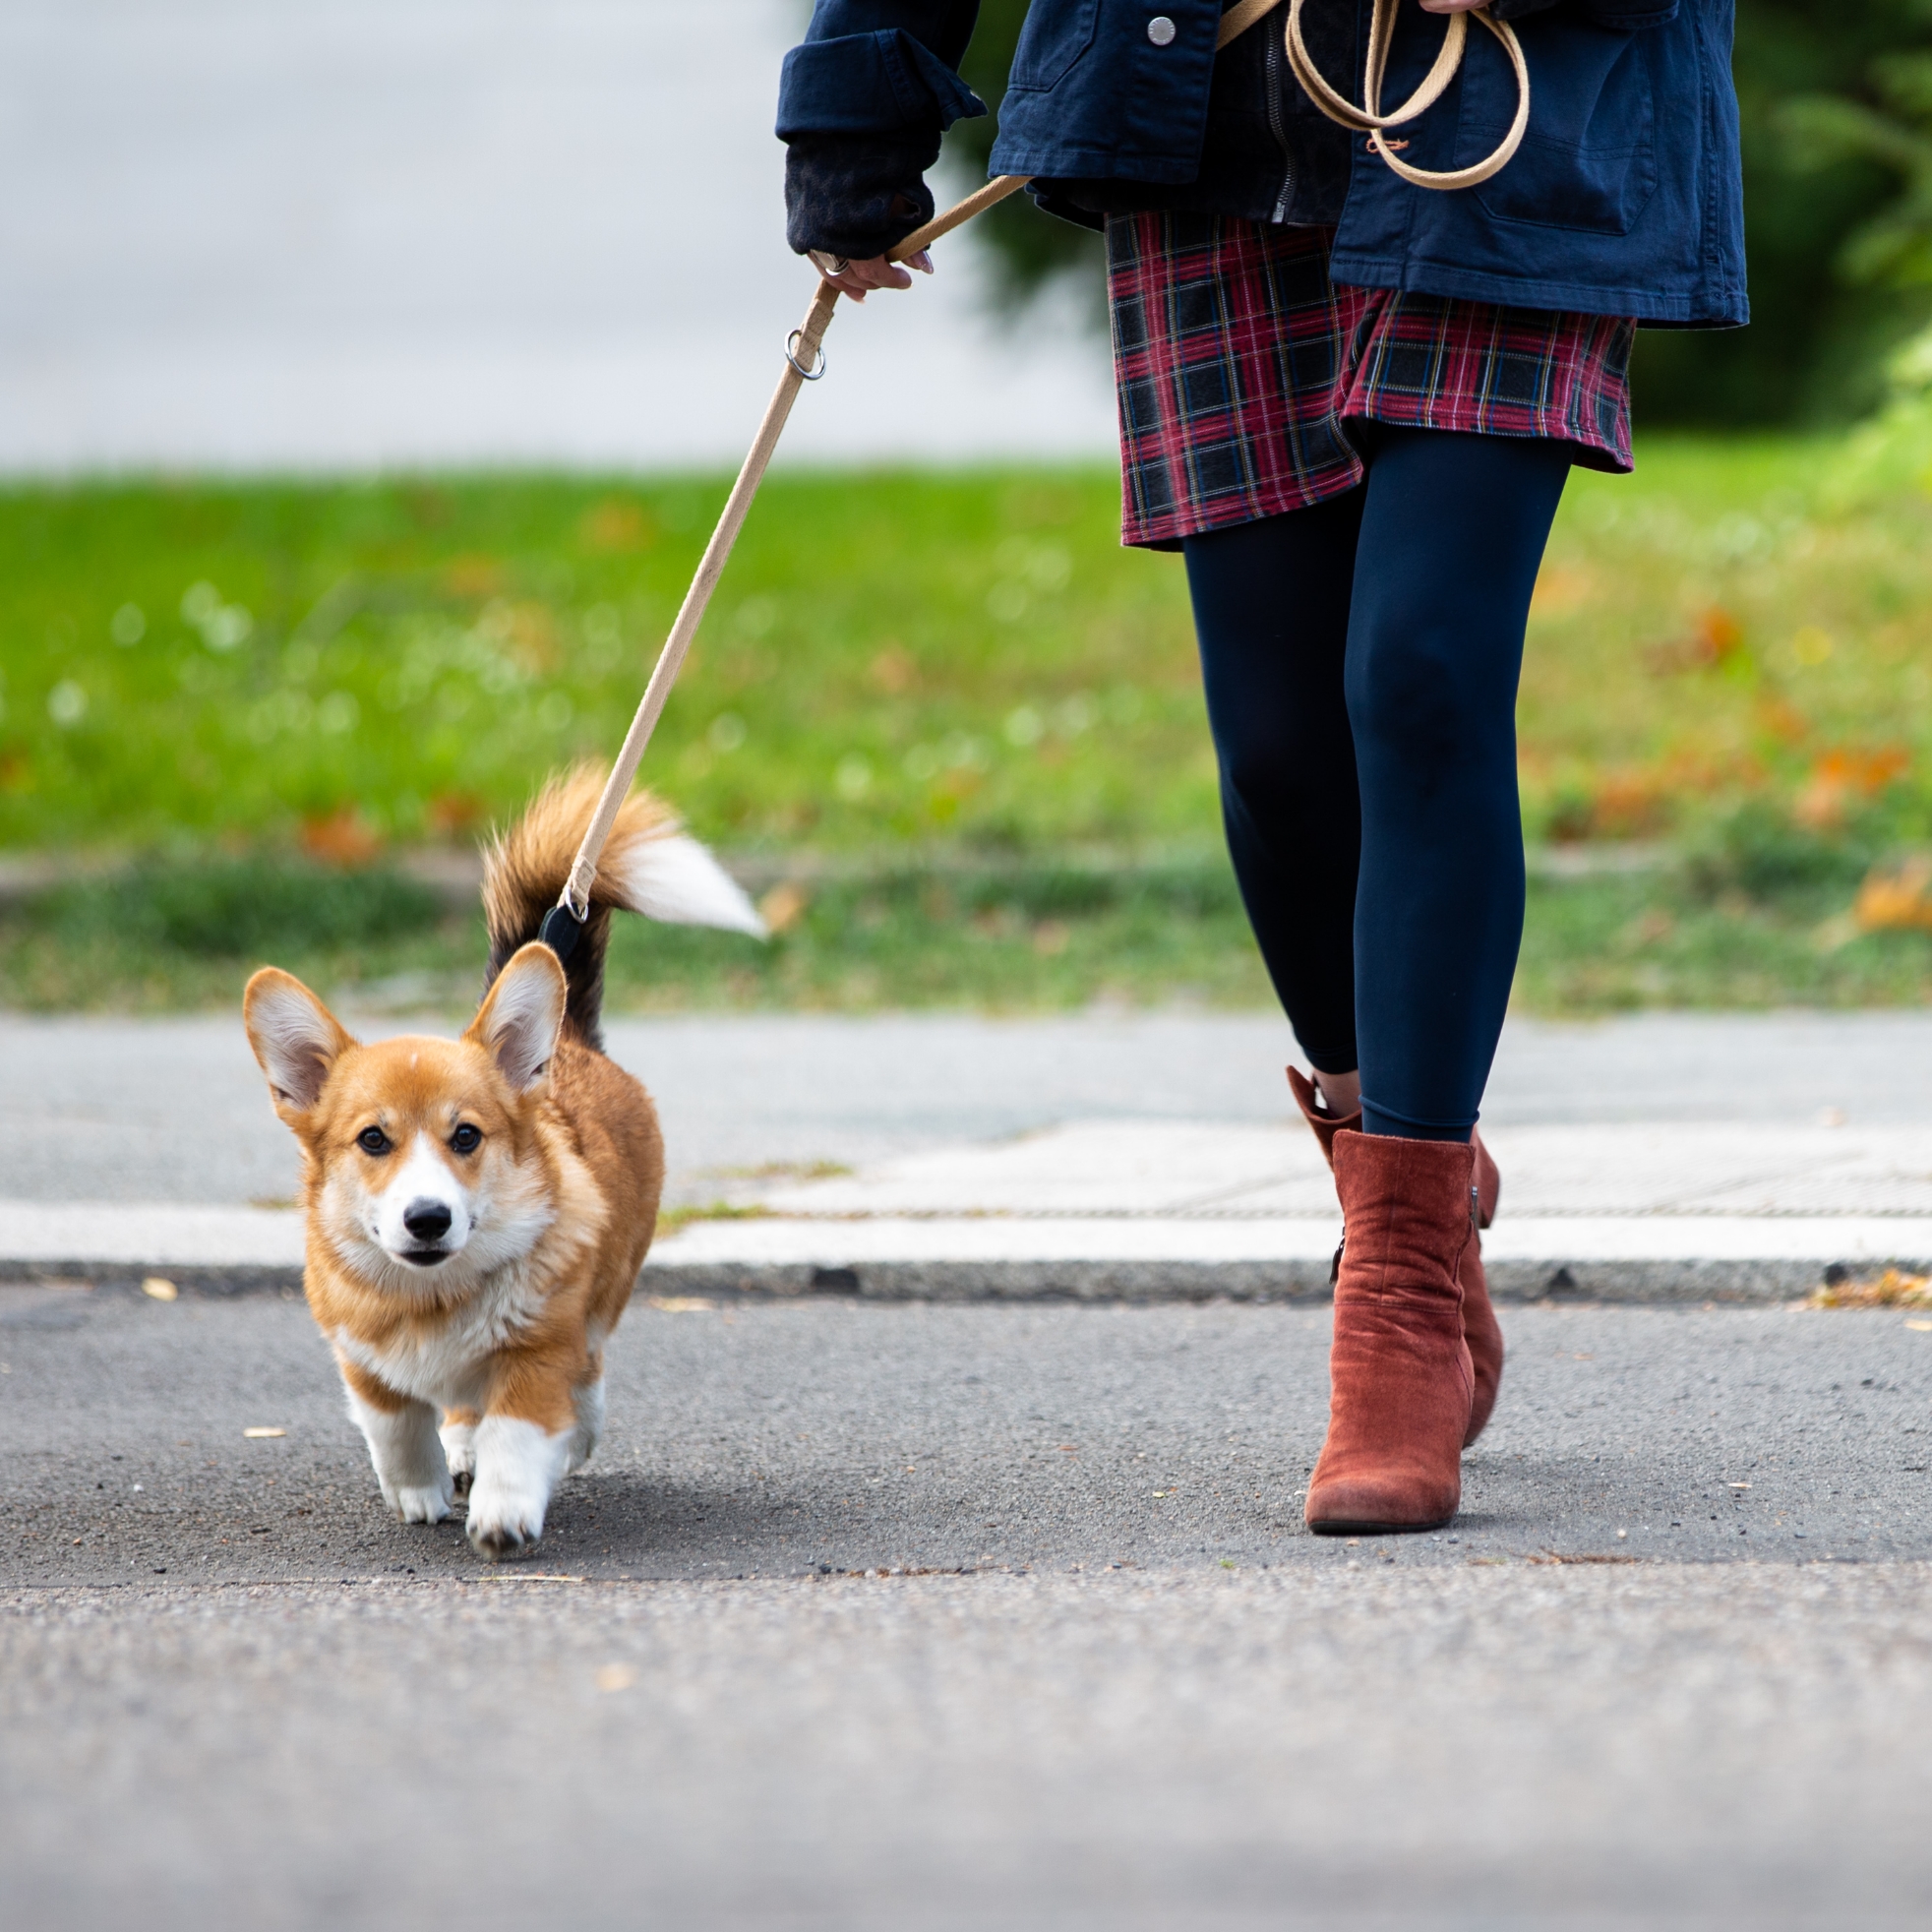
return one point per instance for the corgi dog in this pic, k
(477, 1209)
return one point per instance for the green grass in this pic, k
(1008, 936)
(1707, 633)
(1011, 938)
(1614, 945)
(892, 657)
(938, 696)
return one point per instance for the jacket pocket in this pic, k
(1589, 159)
(1056, 34)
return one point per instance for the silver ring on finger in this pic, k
(828, 264)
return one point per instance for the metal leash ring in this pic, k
(791, 357)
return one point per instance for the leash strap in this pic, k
(690, 613)
(804, 362)
(1240, 18)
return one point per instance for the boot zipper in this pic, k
(1277, 127)
(1334, 1266)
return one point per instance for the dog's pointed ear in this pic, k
(519, 1021)
(295, 1037)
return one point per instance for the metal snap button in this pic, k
(1160, 30)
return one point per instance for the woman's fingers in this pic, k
(857, 278)
(857, 283)
(1452, 6)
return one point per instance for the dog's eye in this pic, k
(373, 1140)
(466, 1139)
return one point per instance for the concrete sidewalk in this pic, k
(1651, 1158)
(1724, 1210)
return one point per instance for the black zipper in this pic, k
(1277, 120)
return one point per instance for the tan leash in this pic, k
(804, 362)
(1368, 118)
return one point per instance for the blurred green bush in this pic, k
(211, 907)
(1760, 850)
(1816, 342)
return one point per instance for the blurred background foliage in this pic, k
(1835, 100)
(952, 734)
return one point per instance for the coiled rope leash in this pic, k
(804, 362)
(1369, 118)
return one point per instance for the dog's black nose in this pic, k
(426, 1219)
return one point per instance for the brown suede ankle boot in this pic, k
(1400, 1381)
(1480, 1326)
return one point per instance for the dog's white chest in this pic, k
(442, 1361)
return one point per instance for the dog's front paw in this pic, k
(518, 1465)
(419, 1503)
(422, 1505)
(497, 1530)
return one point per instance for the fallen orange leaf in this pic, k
(343, 839)
(1898, 899)
(784, 905)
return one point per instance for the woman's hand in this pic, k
(857, 278)
(1452, 6)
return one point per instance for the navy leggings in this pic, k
(1360, 658)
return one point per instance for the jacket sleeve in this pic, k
(1604, 13)
(861, 104)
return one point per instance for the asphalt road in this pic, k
(1118, 1686)
(1473, 1749)
(789, 1440)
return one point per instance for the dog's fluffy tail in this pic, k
(650, 866)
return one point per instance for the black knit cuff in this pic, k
(854, 197)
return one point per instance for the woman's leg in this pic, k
(1453, 530)
(1271, 610)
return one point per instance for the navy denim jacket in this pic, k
(1624, 198)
